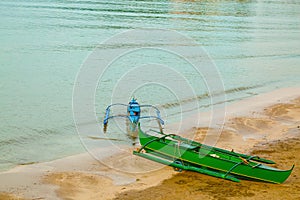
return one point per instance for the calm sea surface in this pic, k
(255, 45)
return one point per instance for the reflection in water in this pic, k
(132, 131)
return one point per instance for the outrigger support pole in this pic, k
(107, 117)
(154, 117)
(157, 111)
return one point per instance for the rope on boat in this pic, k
(245, 161)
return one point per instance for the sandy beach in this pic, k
(266, 125)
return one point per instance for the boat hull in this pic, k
(190, 155)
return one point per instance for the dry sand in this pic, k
(9, 197)
(268, 128)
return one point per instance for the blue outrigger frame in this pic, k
(133, 113)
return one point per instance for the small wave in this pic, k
(207, 95)
(118, 7)
(29, 134)
(4, 161)
(201, 97)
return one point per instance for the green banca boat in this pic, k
(185, 154)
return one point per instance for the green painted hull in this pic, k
(189, 155)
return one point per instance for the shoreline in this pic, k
(252, 123)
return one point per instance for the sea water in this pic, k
(254, 45)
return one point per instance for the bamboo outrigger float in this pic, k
(185, 154)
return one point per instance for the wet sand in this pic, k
(271, 130)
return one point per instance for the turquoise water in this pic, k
(255, 45)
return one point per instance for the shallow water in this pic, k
(255, 46)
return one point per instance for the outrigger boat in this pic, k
(185, 154)
(133, 113)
